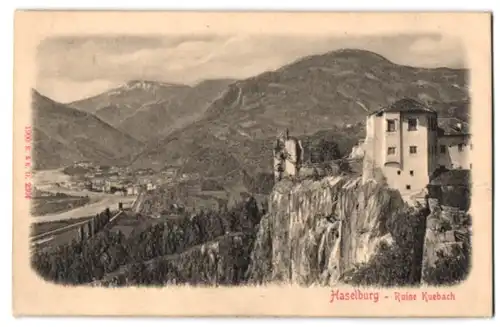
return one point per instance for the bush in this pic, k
(345, 167)
(262, 183)
(320, 150)
(450, 268)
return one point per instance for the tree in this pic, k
(451, 268)
(323, 150)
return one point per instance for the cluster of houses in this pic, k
(124, 181)
(126, 184)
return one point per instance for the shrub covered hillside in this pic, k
(221, 261)
(110, 251)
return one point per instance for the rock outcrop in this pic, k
(447, 239)
(316, 230)
(447, 247)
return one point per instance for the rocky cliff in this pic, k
(315, 231)
(447, 247)
(447, 250)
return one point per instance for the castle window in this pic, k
(391, 125)
(470, 165)
(412, 124)
(413, 149)
(391, 150)
(399, 172)
(408, 187)
(443, 148)
(411, 172)
(460, 147)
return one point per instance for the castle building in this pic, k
(287, 156)
(404, 146)
(454, 144)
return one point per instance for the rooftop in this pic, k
(405, 105)
(452, 126)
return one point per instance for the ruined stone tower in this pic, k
(287, 156)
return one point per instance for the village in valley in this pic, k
(119, 180)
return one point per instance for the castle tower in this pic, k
(278, 161)
(287, 156)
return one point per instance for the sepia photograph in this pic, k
(234, 159)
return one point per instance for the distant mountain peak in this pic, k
(146, 109)
(353, 51)
(345, 54)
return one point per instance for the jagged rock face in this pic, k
(447, 234)
(316, 230)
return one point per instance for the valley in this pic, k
(52, 186)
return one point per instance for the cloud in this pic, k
(66, 90)
(437, 44)
(87, 58)
(438, 51)
(90, 63)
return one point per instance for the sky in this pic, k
(73, 68)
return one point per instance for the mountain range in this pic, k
(332, 92)
(63, 135)
(147, 110)
(224, 129)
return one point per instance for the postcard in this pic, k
(252, 164)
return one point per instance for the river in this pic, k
(46, 180)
